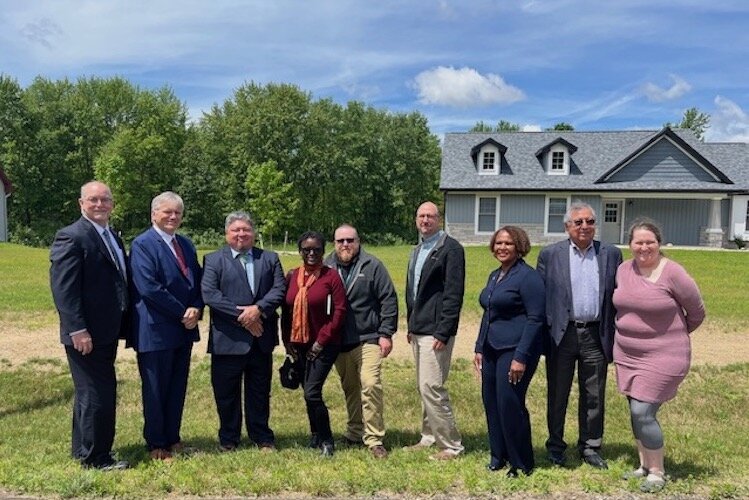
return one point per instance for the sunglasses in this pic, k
(309, 250)
(341, 241)
(579, 222)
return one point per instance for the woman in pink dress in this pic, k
(657, 306)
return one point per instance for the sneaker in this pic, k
(378, 451)
(653, 483)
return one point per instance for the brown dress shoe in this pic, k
(160, 454)
(379, 451)
(267, 447)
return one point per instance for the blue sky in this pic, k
(599, 65)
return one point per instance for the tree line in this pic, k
(294, 162)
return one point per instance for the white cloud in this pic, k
(464, 87)
(654, 93)
(531, 128)
(42, 32)
(729, 123)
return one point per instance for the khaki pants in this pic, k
(432, 368)
(361, 379)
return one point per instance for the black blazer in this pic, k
(88, 290)
(436, 308)
(554, 266)
(225, 286)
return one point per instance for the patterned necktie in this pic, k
(180, 256)
(115, 257)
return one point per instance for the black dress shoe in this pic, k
(314, 441)
(113, 465)
(595, 460)
(557, 459)
(495, 464)
(327, 449)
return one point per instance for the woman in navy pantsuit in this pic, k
(508, 348)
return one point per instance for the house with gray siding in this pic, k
(697, 191)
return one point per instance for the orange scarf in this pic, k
(300, 314)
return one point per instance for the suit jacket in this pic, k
(225, 287)
(554, 267)
(436, 308)
(514, 313)
(88, 290)
(161, 293)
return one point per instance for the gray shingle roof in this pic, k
(597, 153)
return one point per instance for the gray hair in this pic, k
(238, 215)
(576, 206)
(166, 197)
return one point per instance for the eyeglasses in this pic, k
(341, 241)
(579, 222)
(309, 250)
(96, 199)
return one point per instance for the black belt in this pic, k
(584, 324)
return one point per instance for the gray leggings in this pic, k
(644, 424)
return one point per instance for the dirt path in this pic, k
(18, 343)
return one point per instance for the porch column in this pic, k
(714, 231)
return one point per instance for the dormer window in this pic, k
(487, 157)
(554, 157)
(488, 162)
(558, 160)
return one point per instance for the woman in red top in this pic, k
(312, 317)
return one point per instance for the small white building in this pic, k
(5, 190)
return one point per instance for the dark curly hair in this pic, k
(314, 235)
(517, 235)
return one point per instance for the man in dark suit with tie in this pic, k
(580, 276)
(434, 296)
(88, 276)
(167, 306)
(243, 286)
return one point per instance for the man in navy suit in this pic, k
(580, 277)
(88, 277)
(167, 306)
(243, 286)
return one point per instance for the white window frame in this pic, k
(558, 148)
(496, 214)
(546, 212)
(488, 148)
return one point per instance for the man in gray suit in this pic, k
(580, 276)
(243, 286)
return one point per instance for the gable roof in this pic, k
(680, 143)
(598, 154)
(488, 142)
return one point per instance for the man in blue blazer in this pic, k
(88, 277)
(243, 286)
(580, 277)
(167, 306)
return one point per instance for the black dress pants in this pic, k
(581, 347)
(315, 374)
(228, 372)
(95, 400)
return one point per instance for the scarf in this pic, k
(300, 314)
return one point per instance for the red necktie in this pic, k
(180, 256)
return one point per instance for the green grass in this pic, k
(706, 427)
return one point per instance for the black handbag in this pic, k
(290, 373)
